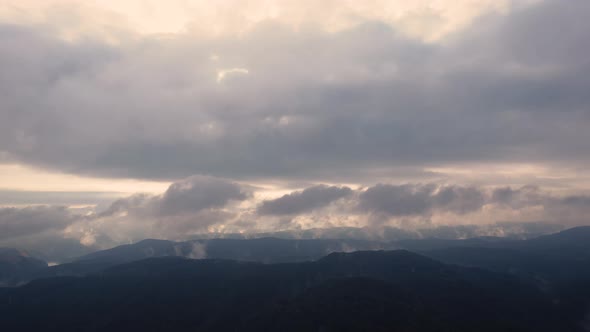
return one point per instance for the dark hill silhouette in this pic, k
(264, 250)
(16, 266)
(574, 239)
(379, 290)
(560, 252)
(577, 238)
(561, 255)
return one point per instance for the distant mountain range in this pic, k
(496, 253)
(265, 284)
(263, 250)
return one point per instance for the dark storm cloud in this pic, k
(345, 105)
(303, 201)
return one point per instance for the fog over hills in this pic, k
(286, 249)
(484, 283)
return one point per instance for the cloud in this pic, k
(303, 201)
(570, 208)
(59, 198)
(187, 196)
(380, 211)
(197, 193)
(201, 205)
(519, 197)
(40, 229)
(186, 208)
(224, 73)
(357, 103)
(421, 18)
(17, 222)
(454, 205)
(409, 200)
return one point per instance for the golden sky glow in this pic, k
(420, 18)
(19, 177)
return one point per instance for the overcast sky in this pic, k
(127, 119)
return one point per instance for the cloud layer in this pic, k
(306, 104)
(408, 200)
(200, 205)
(303, 201)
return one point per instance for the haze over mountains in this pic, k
(484, 284)
(569, 243)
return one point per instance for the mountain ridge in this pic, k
(225, 295)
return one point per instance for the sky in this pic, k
(123, 120)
